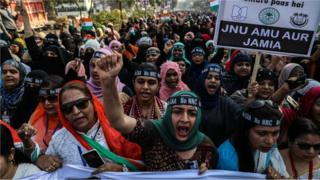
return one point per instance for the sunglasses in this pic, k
(306, 146)
(80, 104)
(260, 103)
(51, 98)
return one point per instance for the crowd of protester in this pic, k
(156, 95)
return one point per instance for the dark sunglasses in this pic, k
(305, 146)
(260, 103)
(80, 104)
(51, 98)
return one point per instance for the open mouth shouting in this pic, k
(182, 131)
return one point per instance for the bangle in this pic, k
(124, 168)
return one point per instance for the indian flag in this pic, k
(214, 5)
(87, 24)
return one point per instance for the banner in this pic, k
(285, 27)
(79, 172)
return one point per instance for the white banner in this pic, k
(76, 172)
(274, 26)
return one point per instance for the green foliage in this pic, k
(104, 17)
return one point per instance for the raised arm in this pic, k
(108, 69)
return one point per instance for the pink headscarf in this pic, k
(165, 91)
(81, 72)
(94, 87)
(114, 42)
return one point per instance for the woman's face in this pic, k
(182, 67)
(177, 52)
(212, 82)
(10, 77)
(152, 58)
(315, 111)
(242, 69)
(94, 71)
(50, 104)
(266, 89)
(14, 48)
(198, 58)
(263, 137)
(172, 78)
(183, 119)
(146, 87)
(306, 147)
(78, 109)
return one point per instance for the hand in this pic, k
(273, 174)
(49, 163)
(253, 89)
(109, 66)
(123, 98)
(26, 131)
(203, 168)
(75, 64)
(108, 167)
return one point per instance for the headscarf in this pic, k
(92, 43)
(46, 126)
(179, 45)
(165, 91)
(116, 142)
(286, 71)
(10, 100)
(118, 43)
(166, 129)
(95, 88)
(54, 65)
(208, 101)
(239, 58)
(307, 102)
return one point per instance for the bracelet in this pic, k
(124, 168)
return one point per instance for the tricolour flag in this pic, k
(214, 5)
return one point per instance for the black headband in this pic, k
(211, 69)
(184, 100)
(262, 122)
(30, 80)
(49, 92)
(153, 74)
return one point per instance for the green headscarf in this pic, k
(167, 130)
(179, 45)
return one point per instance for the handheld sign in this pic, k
(285, 27)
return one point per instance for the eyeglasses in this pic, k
(51, 98)
(80, 104)
(306, 146)
(260, 103)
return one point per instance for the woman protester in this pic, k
(14, 163)
(85, 128)
(172, 143)
(30, 98)
(145, 104)
(302, 157)
(12, 90)
(170, 80)
(239, 74)
(94, 81)
(223, 109)
(252, 148)
(45, 118)
(262, 89)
